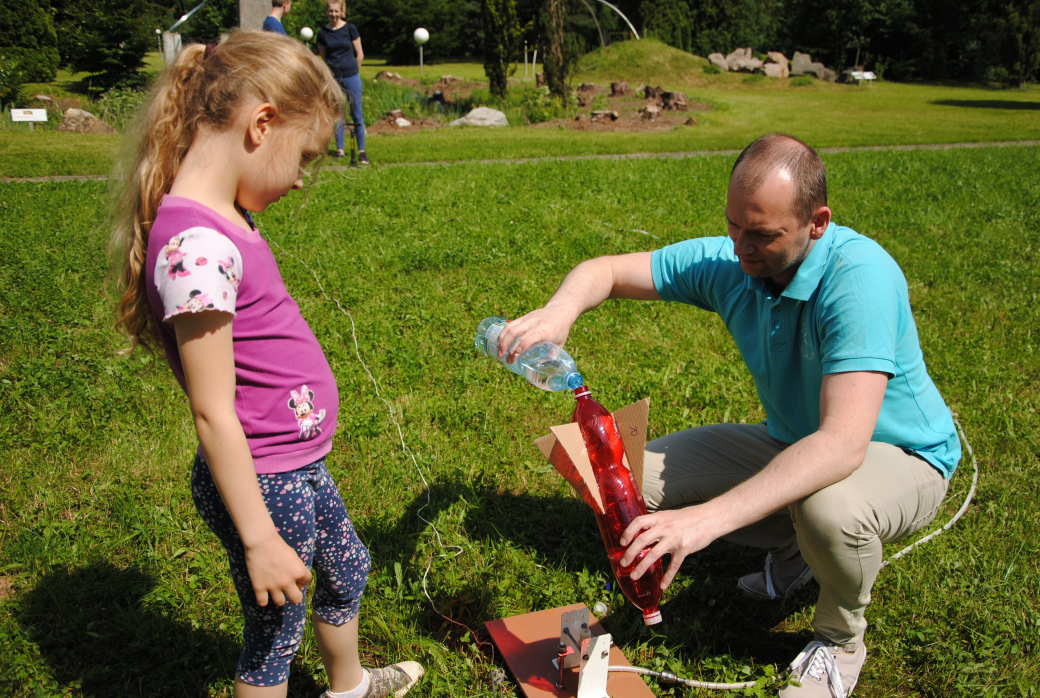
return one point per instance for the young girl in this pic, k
(228, 131)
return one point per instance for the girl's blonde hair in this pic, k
(203, 88)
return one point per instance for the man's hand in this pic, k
(543, 325)
(276, 571)
(678, 532)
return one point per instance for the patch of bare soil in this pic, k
(629, 113)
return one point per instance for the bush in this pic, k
(117, 107)
(28, 42)
(801, 81)
(537, 106)
(712, 69)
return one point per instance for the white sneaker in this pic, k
(396, 680)
(825, 671)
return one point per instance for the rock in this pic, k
(650, 111)
(387, 75)
(743, 61)
(675, 101)
(605, 114)
(620, 89)
(401, 122)
(775, 70)
(79, 121)
(482, 116)
(779, 58)
(802, 64)
(449, 79)
(829, 75)
(653, 92)
(719, 61)
(46, 99)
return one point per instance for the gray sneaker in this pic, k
(825, 671)
(778, 580)
(394, 680)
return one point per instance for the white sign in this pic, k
(866, 75)
(28, 115)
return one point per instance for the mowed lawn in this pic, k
(110, 585)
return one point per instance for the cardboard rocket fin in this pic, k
(573, 463)
(631, 423)
(569, 436)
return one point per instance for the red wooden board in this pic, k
(528, 643)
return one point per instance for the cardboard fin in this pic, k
(569, 436)
(556, 454)
(631, 423)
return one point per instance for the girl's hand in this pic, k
(276, 571)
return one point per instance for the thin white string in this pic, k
(457, 549)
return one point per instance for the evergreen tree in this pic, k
(28, 42)
(500, 34)
(108, 38)
(1021, 28)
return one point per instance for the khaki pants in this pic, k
(839, 530)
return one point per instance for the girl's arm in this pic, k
(204, 340)
(358, 52)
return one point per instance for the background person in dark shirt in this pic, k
(340, 45)
(273, 21)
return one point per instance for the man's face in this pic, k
(768, 238)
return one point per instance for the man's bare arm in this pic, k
(584, 288)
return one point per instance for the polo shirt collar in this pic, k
(809, 273)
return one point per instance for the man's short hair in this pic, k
(779, 152)
(280, 3)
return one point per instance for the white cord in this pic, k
(684, 682)
(393, 418)
(960, 512)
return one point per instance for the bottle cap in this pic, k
(582, 390)
(575, 381)
(652, 618)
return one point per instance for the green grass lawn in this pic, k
(823, 114)
(110, 585)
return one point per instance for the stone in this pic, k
(620, 89)
(605, 114)
(650, 111)
(675, 101)
(742, 60)
(401, 122)
(46, 99)
(482, 116)
(829, 75)
(80, 121)
(387, 75)
(719, 61)
(775, 70)
(779, 58)
(802, 64)
(449, 79)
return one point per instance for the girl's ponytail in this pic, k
(203, 87)
(162, 134)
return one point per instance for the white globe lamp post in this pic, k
(421, 36)
(307, 33)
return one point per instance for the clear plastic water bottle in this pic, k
(544, 365)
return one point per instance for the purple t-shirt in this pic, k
(285, 392)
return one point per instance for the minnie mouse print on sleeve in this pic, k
(197, 270)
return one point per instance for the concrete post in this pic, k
(171, 46)
(251, 13)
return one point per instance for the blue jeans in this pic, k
(307, 510)
(352, 89)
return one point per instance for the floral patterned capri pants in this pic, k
(309, 515)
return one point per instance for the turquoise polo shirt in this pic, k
(847, 309)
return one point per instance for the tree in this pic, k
(668, 21)
(108, 38)
(555, 16)
(28, 42)
(1021, 27)
(500, 33)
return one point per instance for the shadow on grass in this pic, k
(94, 631)
(989, 104)
(711, 617)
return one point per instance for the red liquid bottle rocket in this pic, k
(621, 502)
